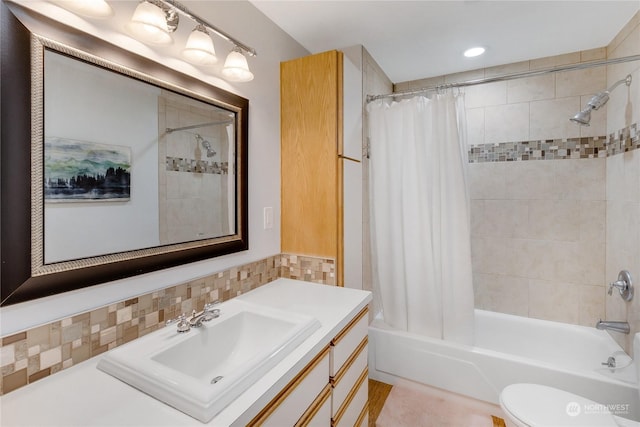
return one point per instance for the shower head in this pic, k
(598, 100)
(206, 145)
(583, 117)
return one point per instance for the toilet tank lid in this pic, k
(540, 405)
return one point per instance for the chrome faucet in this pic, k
(611, 362)
(210, 312)
(185, 324)
(613, 326)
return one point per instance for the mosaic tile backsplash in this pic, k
(30, 355)
(624, 140)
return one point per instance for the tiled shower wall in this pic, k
(36, 353)
(554, 215)
(623, 181)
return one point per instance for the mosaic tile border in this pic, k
(309, 269)
(179, 164)
(624, 140)
(28, 356)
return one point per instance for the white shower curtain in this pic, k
(420, 226)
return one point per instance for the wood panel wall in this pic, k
(311, 139)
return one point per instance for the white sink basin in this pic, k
(201, 371)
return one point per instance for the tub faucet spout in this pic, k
(613, 326)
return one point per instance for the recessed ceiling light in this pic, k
(474, 51)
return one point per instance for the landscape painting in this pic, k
(80, 171)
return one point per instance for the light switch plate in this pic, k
(268, 218)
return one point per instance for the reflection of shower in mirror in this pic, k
(206, 145)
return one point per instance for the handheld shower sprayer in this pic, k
(598, 100)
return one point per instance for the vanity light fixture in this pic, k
(199, 49)
(88, 8)
(236, 68)
(153, 24)
(154, 21)
(474, 51)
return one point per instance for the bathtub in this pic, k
(509, 349)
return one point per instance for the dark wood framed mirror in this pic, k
(111, 165)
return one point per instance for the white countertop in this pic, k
(85, 396)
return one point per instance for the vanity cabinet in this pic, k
(321, 149)
(332, 389)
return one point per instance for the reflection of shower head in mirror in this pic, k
(206, 145)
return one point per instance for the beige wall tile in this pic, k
(581, 82)
(593, 54)
(476, 212)
(504, 294)
(554, 61)
(475, 126)
(592, 220)
(424, 83)
(580, 179)
(554, 220)
(623, 107)
(615, 178)
(592, 304)
(485, 95)
(515, 67)
(530, 259)
(629, 28)
(489, 255)
(550, 118)
(577, 263)
(531, 88)
(507, 123)
(464, 76)
(555, 301)
(487, 180)
(530, 180)
(505, 218)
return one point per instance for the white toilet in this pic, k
(534, 405)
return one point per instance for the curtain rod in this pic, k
(223, 122)
(505, 77)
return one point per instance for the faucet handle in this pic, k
(624, 286)
(182, 324)
(212, 309)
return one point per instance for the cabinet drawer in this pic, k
(350, 413)
(347, 378)
(292, 402)
(319, 413)
(345, 343)
(363, 421)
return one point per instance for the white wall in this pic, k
(244, 21)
